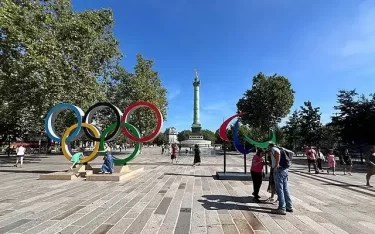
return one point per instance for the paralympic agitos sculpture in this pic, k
(239, 147)
(109, 134)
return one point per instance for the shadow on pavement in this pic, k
(343, 184)
(218, 202)
(177, 174)
(31, 171)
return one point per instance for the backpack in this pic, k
(285, 158)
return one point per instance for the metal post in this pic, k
(244, 163)
(225, 158)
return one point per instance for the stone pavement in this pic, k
(178, 198)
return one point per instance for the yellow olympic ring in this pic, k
(64, 146)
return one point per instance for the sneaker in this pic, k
(350, 173)
(334, 174)
(344, 173)
(278, 211)
(290, 210)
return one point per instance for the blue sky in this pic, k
(321, 46)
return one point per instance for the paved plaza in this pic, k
(167, 198)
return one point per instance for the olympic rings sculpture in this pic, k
(237, 144)
(109, 134)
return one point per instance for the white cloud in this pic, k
(173, 94)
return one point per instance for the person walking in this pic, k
(256, 173)
(370, 160)
(281, 179)
(162, 149)
(331, 162)
(347, 162)
(197, 155)
(320, 160)
(311, 159)
(20, 151)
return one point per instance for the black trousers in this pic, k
(319, 161)
(257, 182)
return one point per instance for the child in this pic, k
(331, 162)
(256, 173)
(76, 158)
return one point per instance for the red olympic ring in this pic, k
(134, 106)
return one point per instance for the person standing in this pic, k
(197, 155)
(162, 149)
(174, 153)
(370, 160)
(281, 180)
(20, 151)
(347, 162)
(256, 173)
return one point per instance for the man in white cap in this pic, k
(280, 169)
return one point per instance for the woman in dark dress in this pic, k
(197, 155)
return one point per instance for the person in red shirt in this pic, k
(174, 153)
(256, 173)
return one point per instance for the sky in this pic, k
(320, 46)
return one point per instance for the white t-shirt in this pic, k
(21, 151)
(273, 159)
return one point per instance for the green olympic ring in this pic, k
(137, 147)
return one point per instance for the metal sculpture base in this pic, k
(120, 173)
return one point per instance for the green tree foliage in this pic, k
(144, 84)
(267, 102)
(310, 125)
(292, 131)
(183, 135)
(160, 140)
(355, 119)
(50, 54)
(209, 135)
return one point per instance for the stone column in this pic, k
(196, 84)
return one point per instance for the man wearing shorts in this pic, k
(20, 154)
(370, 160)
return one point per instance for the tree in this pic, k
(183, 135)
(144, 85)
(208, 135)
(310, 126)
(160, 140)
(355, 119)
(267, 102)
(50, 54)
(292, 131)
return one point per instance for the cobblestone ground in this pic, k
(178, 198)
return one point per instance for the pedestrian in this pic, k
(271, 181)
(107, 167)
(174, 153)
(320, 160)
(347, 162)
(370, 160)
(76, 158)
(197, 155)
(331, 162)
(20, 151)
(311, 159)
(256, 173)
(281, 165)
(162, 149)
